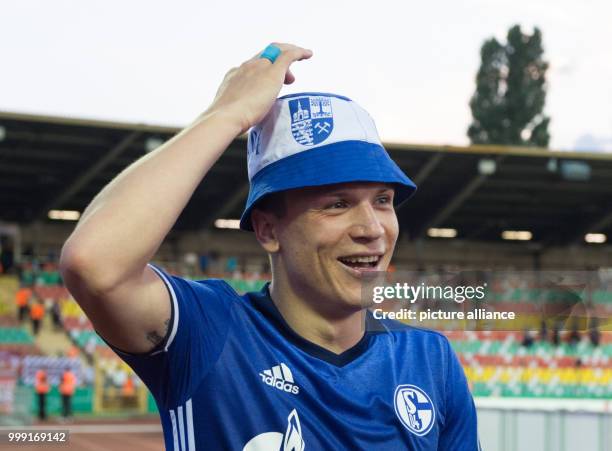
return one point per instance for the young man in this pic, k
(299, 365)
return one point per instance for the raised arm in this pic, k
(104, 261)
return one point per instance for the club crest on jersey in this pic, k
(414, 408)
(312, 120)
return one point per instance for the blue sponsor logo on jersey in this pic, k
(414, 408)
(312, 120)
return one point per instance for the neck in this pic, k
(332, 331)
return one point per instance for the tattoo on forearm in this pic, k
(154, 337)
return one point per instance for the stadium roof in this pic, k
(59, 163)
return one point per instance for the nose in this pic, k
(366, 225)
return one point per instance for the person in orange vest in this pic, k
(128, 387)
(37, 312)
(22, 298)
(42, 388)
(66, 389)
(72, 352)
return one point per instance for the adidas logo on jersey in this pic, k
(279, 376)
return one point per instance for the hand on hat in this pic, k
(248, 92)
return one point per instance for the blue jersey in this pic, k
(232, 375)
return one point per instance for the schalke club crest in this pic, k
(311, 119)
(414, 409)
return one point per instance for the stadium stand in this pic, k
(496, 362)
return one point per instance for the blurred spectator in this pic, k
(203, 262)
(56, 315)
(555, 339)
(27, 275)
(22, 299)
(66, 389)
(578, 363)
(231, 265)
(72, 351)
(527, 339)
(42, 388)
(543, 335)
(49, 275)
(128, 393)
(574, 336)
(128, 390)
(214, 262)
(7, 254)
(594, 333)
(37, 313)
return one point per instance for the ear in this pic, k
(265, 226)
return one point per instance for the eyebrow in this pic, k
(344, 192)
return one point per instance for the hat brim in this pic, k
(341, 162)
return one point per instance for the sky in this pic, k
(412, 65)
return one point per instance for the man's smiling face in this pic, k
(329, 237)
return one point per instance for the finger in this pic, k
(283, 48)
(289, 78)
(292, 54)
(285, 59)
(282, 66)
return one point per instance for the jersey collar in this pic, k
(262, 301)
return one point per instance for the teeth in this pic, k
(370, 259)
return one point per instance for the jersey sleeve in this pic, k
(460, 431)
(197, 330)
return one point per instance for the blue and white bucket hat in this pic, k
(313, 139)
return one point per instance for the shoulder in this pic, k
(199, 290)
(397, 327)
(218, 286)
(405, 335)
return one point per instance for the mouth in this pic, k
(361, 263)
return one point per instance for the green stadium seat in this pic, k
(13, 335)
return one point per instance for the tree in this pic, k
(507, 107)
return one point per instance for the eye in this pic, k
(384, 199)
(337, 204)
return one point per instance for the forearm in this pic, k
(125, 224)
(127, 221)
